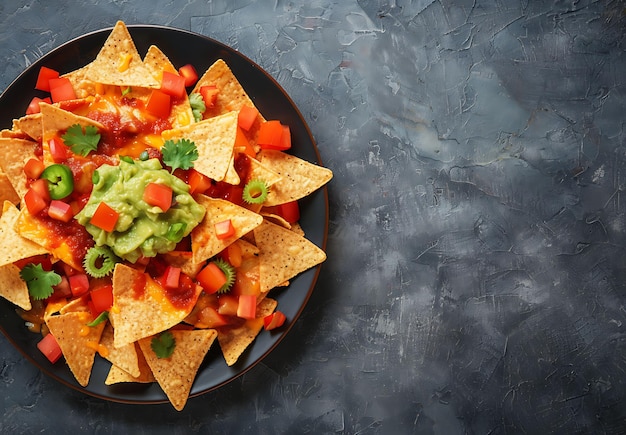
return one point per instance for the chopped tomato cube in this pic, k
(33, 106)
(173, 84)
(171, 277)
(58, 149)
(285, 139)
(105, 217)
(247, 116)
(158, 195)
(224, 229)
(290, 211)
(189, 73)
(233, 254)
(209, 317)
(34, 167)
(209, 95)
(159, 104)
(37, 196)
(61, 89)
(60, 210)
(270, 135)
(274, 320)
(43, 79)
(211, 278)
(198, 182)
(227, 304)
(102, 298)
(247, 307)
(79, 284)
(50, 348)
(62, 290)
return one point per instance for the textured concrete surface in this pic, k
(475, 280)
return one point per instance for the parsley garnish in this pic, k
(163, 344)
(39, 282)
(197, 105)
(82, 142)
(179, 154)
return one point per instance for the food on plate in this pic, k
(149, 212)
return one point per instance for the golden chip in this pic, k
(16, 152)
(124, 357)
(117, 375)
(176, 374)
(13, 288)
(14, 247)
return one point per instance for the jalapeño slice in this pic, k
(60, 180)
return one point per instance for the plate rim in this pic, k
(323, 191)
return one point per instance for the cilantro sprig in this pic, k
(179, 154)
(163, 344)
(40, 282)
(82, 141)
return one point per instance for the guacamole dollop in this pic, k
(141, 229)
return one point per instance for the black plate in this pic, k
(181, 47)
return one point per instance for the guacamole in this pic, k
(141, 229)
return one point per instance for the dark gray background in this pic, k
(475, 279)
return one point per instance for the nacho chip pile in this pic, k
(153, 316)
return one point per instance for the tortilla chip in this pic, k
(119, 63)
(300, 178)
(14, 247)
(30, 125)
(283, 254)
(125, 357)
(118, 375)
(13, 288)
(235, 340)
(29, 227)
(80, 304)
(156, 62)
(142, 310)
(81, 82)
(77, 341)
(204, 242)
(16, 152)
(7, 191)
(214, 139)
(176, 374)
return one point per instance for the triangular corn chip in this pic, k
(13, 246)
(176, 374)
(124, 357)
(13, 288)
(283, 254)
(16, 152)
(78, 342)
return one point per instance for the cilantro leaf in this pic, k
(197, 105)
(163, 344)
(180, 154)
(82, 142)
(39, 282)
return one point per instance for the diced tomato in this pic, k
(227, 304)
(158, 195)
(34, 167)
(247, 307)
(50, 348)
(79, 284)
(41, 187)
(43, 79)
(58, 150)
(34, 200)
(285, 139)
(209, 95)
(274, 320)
(198, 182)
(233, 254)
(209, 317)
(189, 73)
(211, 278)
(159, 104)
(270, 135)
(247, 116)
(60, 210)
(290, 211)
(242, 144)
(33, 106)
(63, 289)
(173, 84)
(224, 229)
(171, 277)
(102, 298)
(105, 217)
(61, 89)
